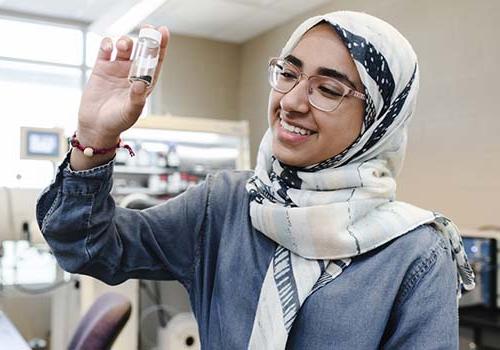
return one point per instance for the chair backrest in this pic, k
(99, 327)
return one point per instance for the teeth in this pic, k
(294, 129)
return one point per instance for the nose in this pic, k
(297, 99)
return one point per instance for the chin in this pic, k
(285, 157)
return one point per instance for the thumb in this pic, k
(138, 91)
(137, 98)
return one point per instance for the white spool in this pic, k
(181, 333)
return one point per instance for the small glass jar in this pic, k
(145, 56)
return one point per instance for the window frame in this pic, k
(84, 67)
(52, 21)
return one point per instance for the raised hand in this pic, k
(109, 103)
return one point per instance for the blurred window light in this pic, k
(41, 76)
(41, 42)
(38, 96)
(25, 265)
(93, 42)
(42, 70)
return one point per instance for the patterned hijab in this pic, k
(324, 214)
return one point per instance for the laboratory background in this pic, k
(209, 112)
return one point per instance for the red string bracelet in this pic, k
(91, 151)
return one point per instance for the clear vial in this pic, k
(145, 56)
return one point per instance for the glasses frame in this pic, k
(348, 91)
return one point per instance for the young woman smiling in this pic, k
(309, 251)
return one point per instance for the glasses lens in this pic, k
(282, 76)
(326, 93)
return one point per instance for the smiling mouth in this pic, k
(295, 129)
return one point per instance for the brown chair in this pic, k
(102, 323)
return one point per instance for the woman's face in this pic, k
(330, 132)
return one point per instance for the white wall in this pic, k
(199, 78)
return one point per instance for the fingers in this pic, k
(124, 48)
(105, 49)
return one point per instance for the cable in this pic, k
(149, 310)
(10, 211)
(161, 312)
(151, 295)
(42, 290)
(45, 288)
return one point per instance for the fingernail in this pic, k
(106, 46)
(139, 87)
(123, 44)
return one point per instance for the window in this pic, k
(43, 68)
(41, 42)
(34, 95)
(41, 77)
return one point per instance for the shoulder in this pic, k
(230, 177)
(402, 264)
(425, 301)
(227, 189)
(227, 182)
(420, 243)
(424, 253)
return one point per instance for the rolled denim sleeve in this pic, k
(425, 315)
(90, 235)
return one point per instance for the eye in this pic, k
(284, 70)
(330, 90)
(288, 75)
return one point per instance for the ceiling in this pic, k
(225, 20)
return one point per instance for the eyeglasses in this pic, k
(324, 93)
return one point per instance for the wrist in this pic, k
(78, 161)
(96, 139)
(90, 150)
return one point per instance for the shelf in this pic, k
(480, 319)
(480, 316)
(144, 190)
(124, 169)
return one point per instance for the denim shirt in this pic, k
(398, 296)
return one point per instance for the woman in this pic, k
(310, 251)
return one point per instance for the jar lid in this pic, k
(150, 33)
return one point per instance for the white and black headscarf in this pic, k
(323, 215)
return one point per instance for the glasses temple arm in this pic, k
(356, 94)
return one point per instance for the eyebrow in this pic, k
(329, 72)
